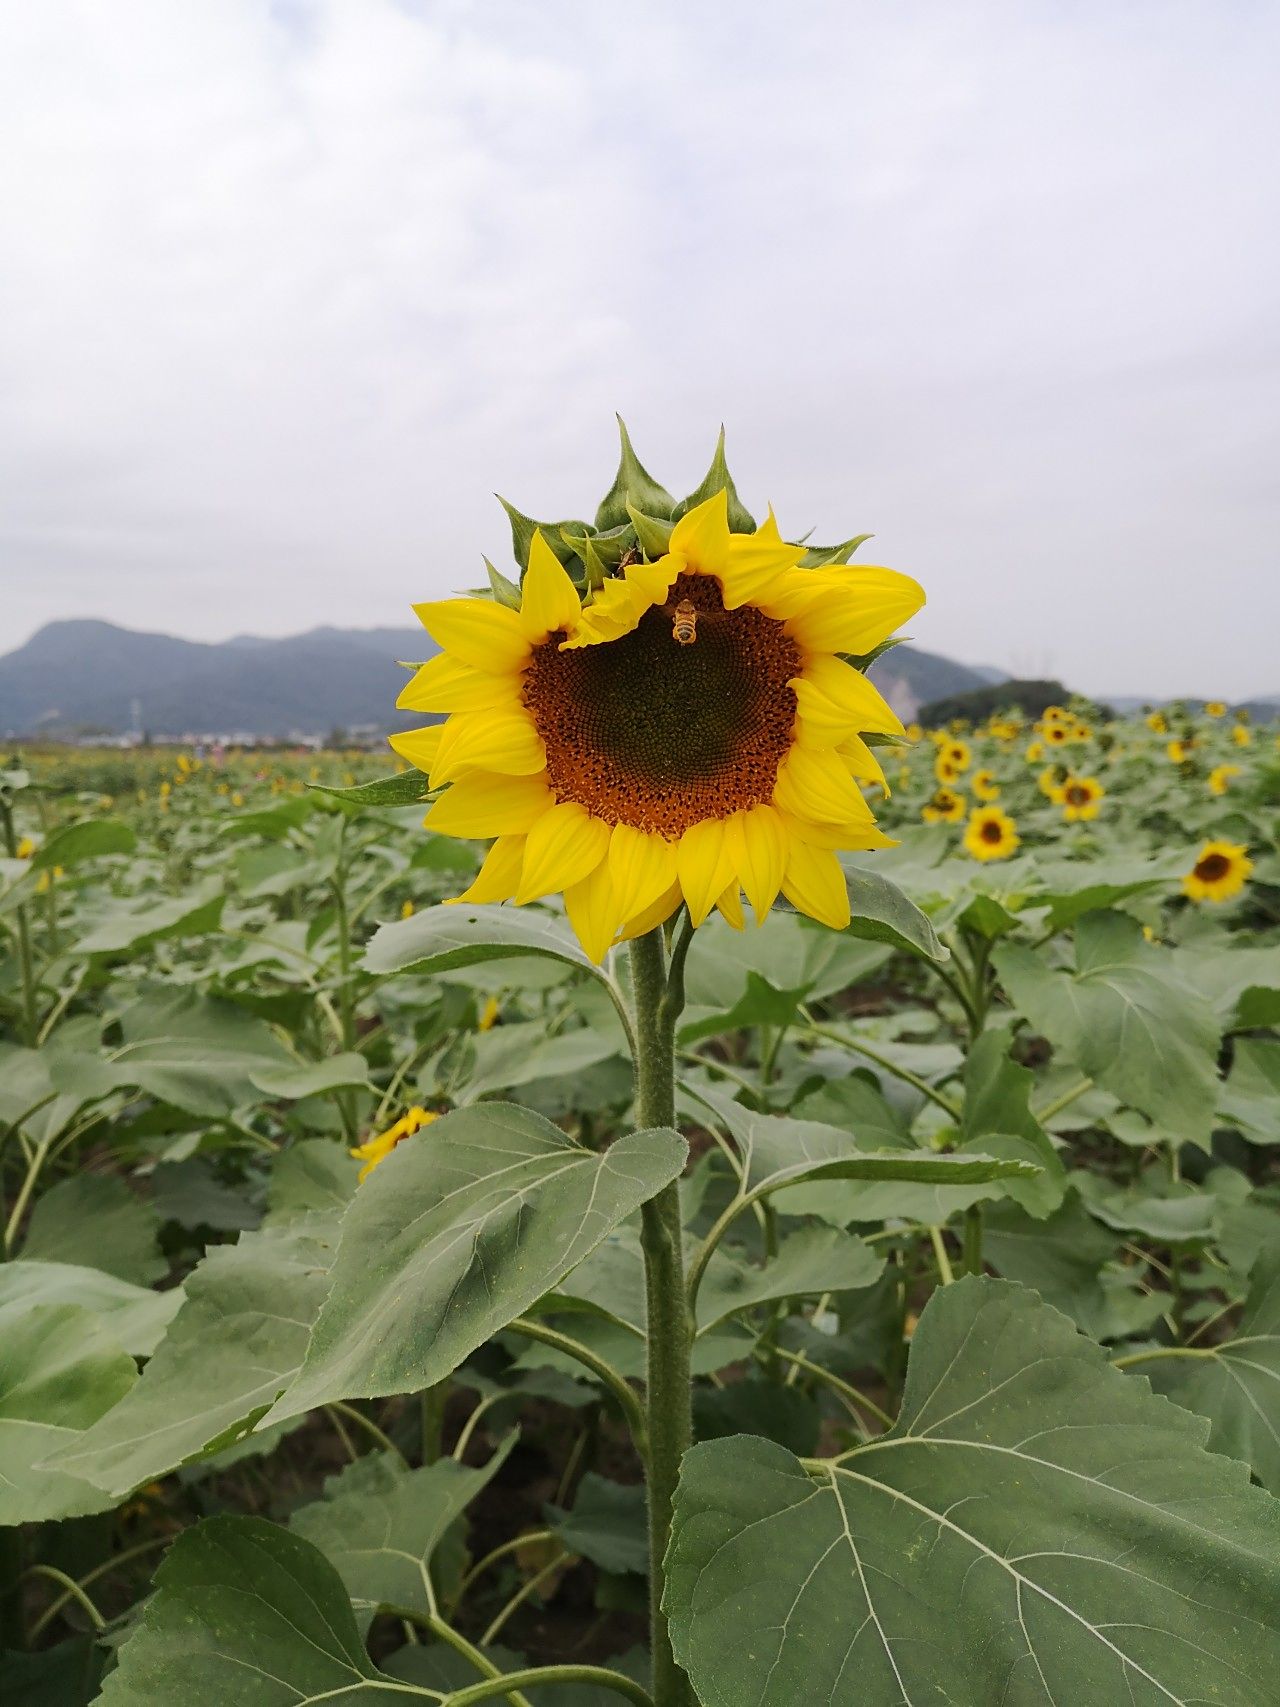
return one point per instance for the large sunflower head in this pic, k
(681, 727)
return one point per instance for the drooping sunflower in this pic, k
(1220, 871)
(944, 806)
(984, 785)
(990, 834)
(688, 731)
(1080, 797)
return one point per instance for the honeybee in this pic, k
(684, 623)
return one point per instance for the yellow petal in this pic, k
(502, 741)
(497, 877)
(549, 602)
(729, 907)
(861, 761)
(418, 747)
(758, 842)
(593, 912)
(564, 847)
(704, 865)
(755, 562)
(657, 913)
(849, 688)
(814, 884)
(483, 805)
(479, 632)
(853, 609)
(643, 867)
(701, 536)
(445, 684)
(813, 783)
(618, 606)
(847, 836)
(821, 722)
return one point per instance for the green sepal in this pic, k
(820, 556)
(406, 788)
(719, 479)
(504, 590)
(634, 482)
(524, 527)
(608, 548)
(653, 535)
(866, 659)
(593, 563)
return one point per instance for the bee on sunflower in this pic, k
(1221, 871)
(1080, 797)
(990, 834)
(944, 806)
(675, 731)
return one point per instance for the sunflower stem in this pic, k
(658, 1000)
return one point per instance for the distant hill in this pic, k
(83, 676)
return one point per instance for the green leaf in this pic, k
(718, 479)
(196, 1052)
(653, 535)
(297, 1079)
(95, 1218)
(1036, 1527)
(89, 839)
(778, 1152)
(245, 1612)
(1126, 1019)
(1075, 887)
(442, 938)
(316, 1174)
(1250, 1099)
(202, 1390)
(406, 788)
(811, 1261)
(882, 913)
(380, 1524)
(65, 1676)
(606, 1525)
(635, 484)
(1235, 1384)
(59, 1372)
(1062, 1257)
(521, 1053)
(998, 1121)
(134, 1317)
(457, 1233)
(132, 926)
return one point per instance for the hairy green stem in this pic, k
(659, 996)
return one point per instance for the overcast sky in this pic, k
(287, 291)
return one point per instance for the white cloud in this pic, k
(288, 290)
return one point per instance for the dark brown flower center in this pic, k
(1212, 868)
(991, 831)
(660, 731)
(1077, 795)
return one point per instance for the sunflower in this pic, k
(1035, 752)
(1219, 872)
(1219, 778)
(985, 786)
(944, 806)
(1057, 734)
(375, 1150)
(25, 848)
(1181, 749)
(1079, 797)
(1157, 723)
(990, 834)
(957, 755)
(1050, 780)
(1241, 734)
(689, 731)
(1215, 708)
(944, 769)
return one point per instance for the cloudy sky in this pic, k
(288, 290)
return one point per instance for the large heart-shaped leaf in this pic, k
(1235, 1384)
(444, 938)
(235, 1344)
(95, 1218)
(246, 1612)
(1127, 1019)
(134, 1317)
(458, 1232)
(1036, 1528)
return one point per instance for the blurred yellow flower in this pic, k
(985, 785)
(489, 1014)
(990, 834)
(1215, 708)
(1180, 751)
(26, 847)
(406, 910)
(1241, 734)
(1220, 778)
(1220, 872)
(1035, 752)
(945, 806)
(1079, 797)
(375, 1150)
(1156, 723)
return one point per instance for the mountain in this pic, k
(81, 677)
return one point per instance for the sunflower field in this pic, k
(770, 1242)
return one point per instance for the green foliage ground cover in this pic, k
(982, 1213)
